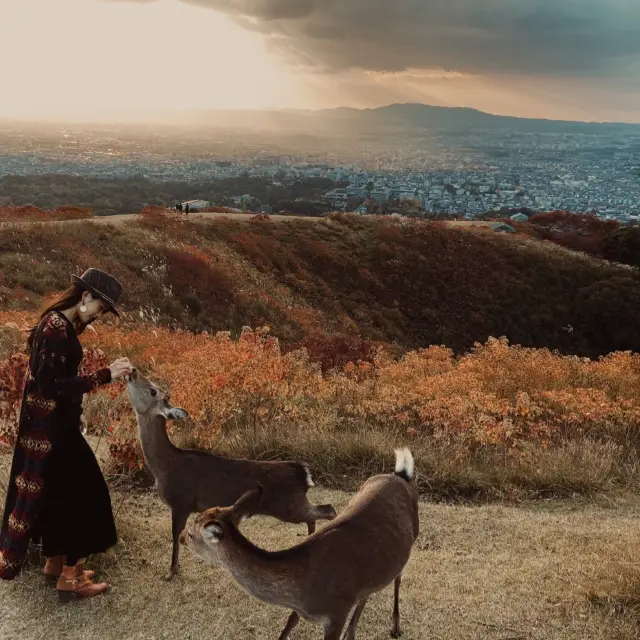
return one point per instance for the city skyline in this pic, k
(111, 59)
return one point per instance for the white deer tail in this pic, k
(404, 464)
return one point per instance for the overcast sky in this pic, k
(574, 59)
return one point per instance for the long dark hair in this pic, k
(65, 300)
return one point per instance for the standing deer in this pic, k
(191, 481)
(333, 571)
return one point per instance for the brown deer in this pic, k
(190, 481)
(333, 571)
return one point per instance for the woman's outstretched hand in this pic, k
(120, 367)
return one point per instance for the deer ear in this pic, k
(248, 503)
(213, 532)
(175, 413)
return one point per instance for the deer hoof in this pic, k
(169, 576)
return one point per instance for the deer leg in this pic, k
(333, 628)
(355, 618)
(178, 521)
(395, 628)
(293, 620)
(311, 526)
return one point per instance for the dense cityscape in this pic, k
(434, 174)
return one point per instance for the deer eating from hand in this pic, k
(190, 481)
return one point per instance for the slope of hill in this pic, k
(409, 283)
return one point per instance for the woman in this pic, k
(57, 493)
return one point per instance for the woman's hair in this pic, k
(65, 300)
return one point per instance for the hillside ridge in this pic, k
(403, 282)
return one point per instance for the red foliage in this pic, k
(266, 253)
(196, 280)
(126, 453)
(12, 377)
(334, 352)
(578, 231)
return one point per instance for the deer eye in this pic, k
(153, 392)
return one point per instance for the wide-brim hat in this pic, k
(102, 285)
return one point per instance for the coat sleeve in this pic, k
(50, 367)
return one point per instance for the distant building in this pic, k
(501, 227)
(196, 205)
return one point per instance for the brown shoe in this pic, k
(53, 568)
(73, 583)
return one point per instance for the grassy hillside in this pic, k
(497, 422)
(498, 419)
(408, 283)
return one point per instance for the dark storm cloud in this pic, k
(586, 37)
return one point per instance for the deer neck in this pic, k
(156, 446)
(265, 575)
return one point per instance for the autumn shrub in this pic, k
(500, 419)
(577, 231)
(334, 352)
(197, 281)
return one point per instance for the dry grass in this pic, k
(615, 585)
(491, 572)
(341, 459)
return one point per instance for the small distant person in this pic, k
(186, 209)
(178, 207)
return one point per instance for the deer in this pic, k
(333, 571)
(190, 481)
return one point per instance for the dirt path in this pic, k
(121, 218)
(490, 573)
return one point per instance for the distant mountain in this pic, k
(391, 118)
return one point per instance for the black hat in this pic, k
(103, 285)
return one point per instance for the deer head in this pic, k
(212, 526)
(148, 400)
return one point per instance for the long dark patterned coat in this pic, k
(57, 494)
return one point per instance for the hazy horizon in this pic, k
(126, 60)
(176, 116)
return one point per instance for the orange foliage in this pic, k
(497, 395)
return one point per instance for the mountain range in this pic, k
(394, 118)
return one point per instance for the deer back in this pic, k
(368, 544)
